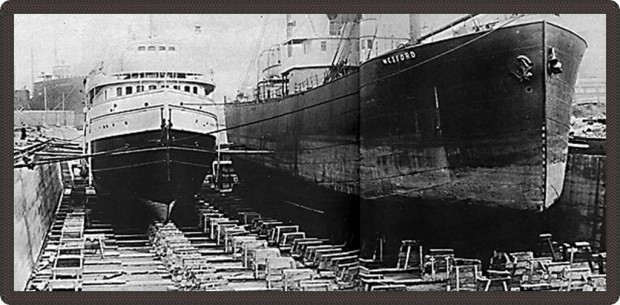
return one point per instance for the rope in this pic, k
(259, 42)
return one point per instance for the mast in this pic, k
(289, 27)
(152, 31)
(55, 53)
(415, 30)
(347, 54)
(31, 70)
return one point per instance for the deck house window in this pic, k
(152, 87)
(139, 88)
(119, 91)
(162, 48)
(195, 90)
(186, 89)
(369, 43)
(334, 28)
(128, 90)
(141, 48)
(176, 87)
(323, 46)
(151, 48)
(171, 48)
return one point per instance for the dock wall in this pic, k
(36, 195)
(579, 214)
(45, 118)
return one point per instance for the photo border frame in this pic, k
(13, 7)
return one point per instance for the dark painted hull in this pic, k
(454, 150)
(318, 211)
(140, 166)
(460, 127)
(464, 127)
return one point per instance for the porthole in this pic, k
(528, 89)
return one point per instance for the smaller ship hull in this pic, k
(139, 166)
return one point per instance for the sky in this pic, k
(228, 42)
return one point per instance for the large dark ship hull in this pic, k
(139, 166)
(467, 125)
(462, 122)
(314, 166)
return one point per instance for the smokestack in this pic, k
(415, 28)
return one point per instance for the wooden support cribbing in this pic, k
(310, 252)
(278, 231)
(577, 278)
(220, 230)
(464, 274)
(325, 260)
(497, 280)
(274, 269)
(437, 261)
(237, 245)
(536, 270)
(249, 250)
(334, 264)
(319, 253)
(99, 239)
(349, 277)
(287, 239)
(231, 232)
(248, 217)
(205, 220)
(390, 287)
(260, 256)
(299, 241)
(315, 285)
(292, 277)
(266, 226)
(213, 222)
(410, 255)
(596, 282)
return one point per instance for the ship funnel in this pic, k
(415, 29)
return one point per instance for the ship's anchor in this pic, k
(555, 66)
(524, 66)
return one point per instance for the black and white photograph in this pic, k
(309, 152)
